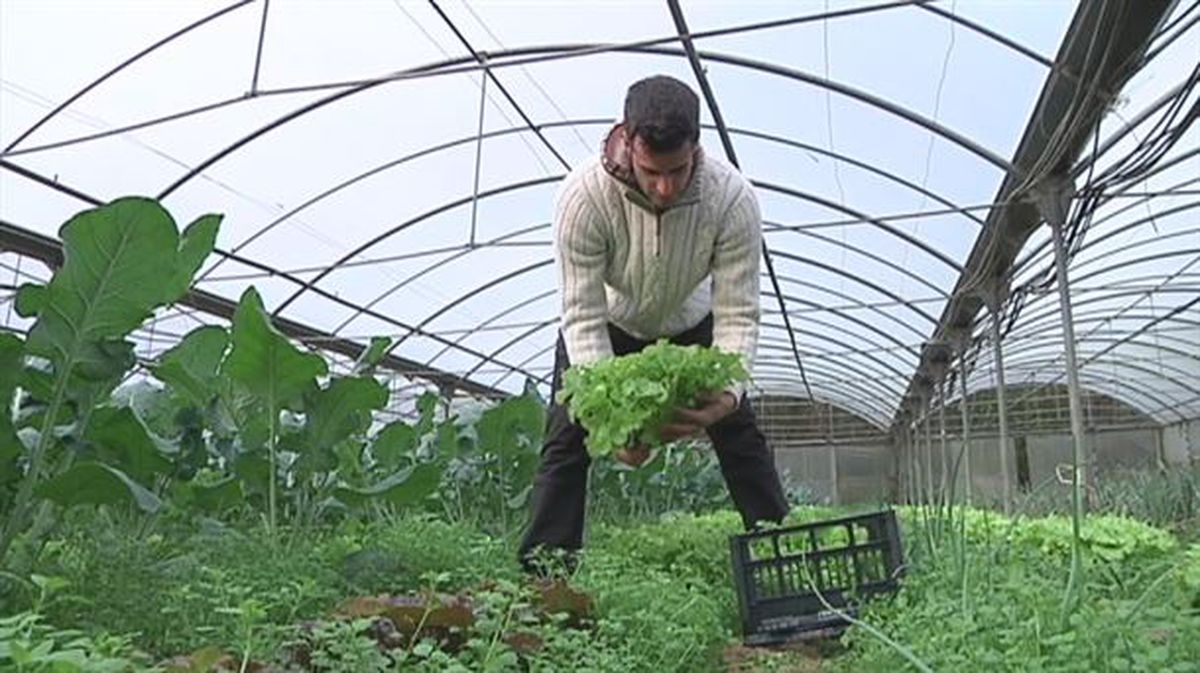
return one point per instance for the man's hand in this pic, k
(692, 422)
(633, 456)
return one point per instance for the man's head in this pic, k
(662, 129)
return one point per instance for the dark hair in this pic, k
(663, 112)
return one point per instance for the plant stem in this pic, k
(274, 420)
(17, 520)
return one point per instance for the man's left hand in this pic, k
(712, 408)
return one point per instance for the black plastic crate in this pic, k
(847, 560)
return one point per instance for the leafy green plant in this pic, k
(341, 645)
(272, 371)
(627, 398)
(121, 261)
(995, 604)
(29, 645)
(680, 477)
(1108, 537)
(1189, 574)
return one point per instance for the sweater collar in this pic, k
(615, 159)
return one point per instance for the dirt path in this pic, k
(799, 658)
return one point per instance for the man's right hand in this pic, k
(634, 455)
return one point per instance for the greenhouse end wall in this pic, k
(859, 472)
(1181, 443)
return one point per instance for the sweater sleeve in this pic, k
(736, 263)
(580, 252)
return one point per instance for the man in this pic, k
(655, 239)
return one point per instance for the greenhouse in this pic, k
(286, 337)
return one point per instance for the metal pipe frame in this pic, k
(435, 149)
(1062, 120)
(842, 313)
(764, 25)
(1033, 326)
(832, 375)
(1034, 353)
(491, 284)
(701, 75)
(121, 66)
(1111, 386)
(842, 402)
(484, 324)
(336, 97)
(311, 284)
(1041, 254)
(866, 219)
(866, 408)
(517, 53)
(1032, 367)
(867, 326)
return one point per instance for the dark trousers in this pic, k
(560, 487)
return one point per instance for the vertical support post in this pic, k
(446, 392)
(478, 147)
(834, 496)
(1160, 450)
(994, 297)
(966, 426)
(961, 337)
(1054, 201)
(928, 427)
(945, 488)
(914, 472)
(937, 371)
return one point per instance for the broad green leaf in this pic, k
(92, 483)
(512, 430)
(105, 360)
(264, 362)
(122, 441)
(240, 414)
(336, 412)
(407, 487)
(159, 408)
(372, 356)
(10, 369)
(195, 246)
(514, 422)
(349, 456)
(212, 498)
(191, 367)
(393, 443)
(30, 299)
(37, 381)
(427, 407)
(49, 584)
(446, 440)
(115, 259)
(118, 260)
(254, 471)
(191, 452)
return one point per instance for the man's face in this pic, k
(662, 176)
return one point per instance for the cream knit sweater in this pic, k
(652, 273)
